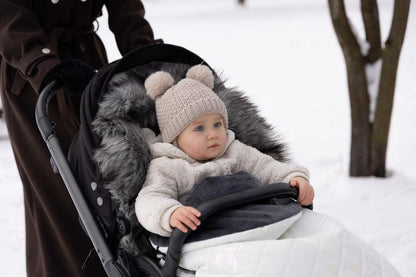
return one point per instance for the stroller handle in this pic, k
(41, 111)
(46, 129)
(177, 239)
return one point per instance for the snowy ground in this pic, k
(285, 55)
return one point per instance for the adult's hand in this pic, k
(74, 75)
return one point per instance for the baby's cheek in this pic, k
(195, 152)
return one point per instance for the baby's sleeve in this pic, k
(264, 167)
(157, 200)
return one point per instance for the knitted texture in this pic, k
(182, 103)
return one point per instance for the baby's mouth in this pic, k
(214, 145)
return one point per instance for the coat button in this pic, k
(100, 201)
(46, 51)
(82, 47)
(93, 186)
(54, 1)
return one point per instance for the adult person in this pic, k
(41, 40)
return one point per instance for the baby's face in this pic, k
(205, 138)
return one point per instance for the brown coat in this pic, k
(34, 36)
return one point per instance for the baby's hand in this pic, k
(185, 215)
(306, 193)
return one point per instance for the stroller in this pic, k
(105, 200)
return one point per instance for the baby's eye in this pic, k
(218, 124)
(199, 128)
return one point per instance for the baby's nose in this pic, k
(212, 134)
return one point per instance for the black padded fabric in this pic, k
(235, 219)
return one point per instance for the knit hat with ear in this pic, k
(178, 105)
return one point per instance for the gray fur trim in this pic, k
(124, 156)
(249, 127)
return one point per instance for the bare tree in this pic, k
(241, 2)
(370, 128)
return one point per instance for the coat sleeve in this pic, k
(158, 198)
(264, 167)
(23, 42)
(126, 20)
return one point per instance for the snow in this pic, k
(285, 55)
(373, 74)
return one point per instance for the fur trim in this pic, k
(201, 73)
(158, 83)
(124, 155)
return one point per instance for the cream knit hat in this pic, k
(178, 105)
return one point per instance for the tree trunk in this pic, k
(241, 2)
(369, 11)
(387, 84)
(357, 86)
(369, 139)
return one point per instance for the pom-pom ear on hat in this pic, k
(203, 74)
(158, 83)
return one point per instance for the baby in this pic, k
(196, 143)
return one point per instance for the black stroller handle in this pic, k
(41, 112)
(177, 239)
(46, 129)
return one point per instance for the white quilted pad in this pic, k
(314, 246)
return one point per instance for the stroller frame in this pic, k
(113, 264)
(60, 164)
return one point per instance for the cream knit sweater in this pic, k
(172, 174)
